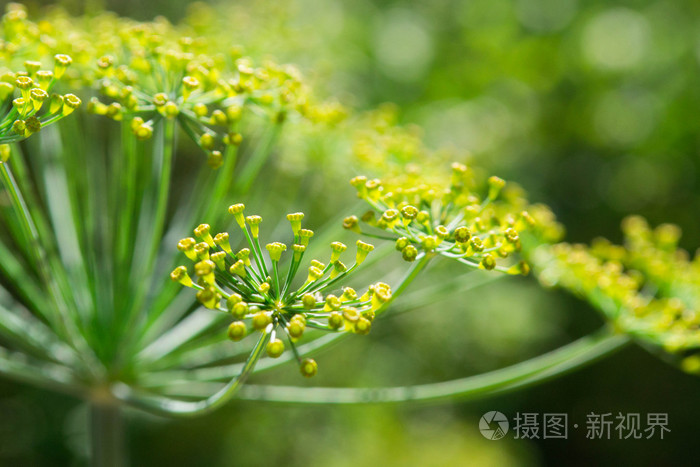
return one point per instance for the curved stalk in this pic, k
(177, 408)
(536, 370)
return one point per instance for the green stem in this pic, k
(223, 183)
(60, 321)
(172, 407)
(254, 165)
(127, 204)
(434, 293)
(416, 268)
(22, 211)
(276, 280)
(256, 246)
(20, 367)
(530, 372)
(107, 435)
(144, 270)
(163, 190)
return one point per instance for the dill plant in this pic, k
(93, 225)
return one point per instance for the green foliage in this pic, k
(95, 204)
(646, 288)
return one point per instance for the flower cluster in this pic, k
(251, 287)
(27, 103)
(150, 71)
(647, 288)
(206, 97)
(382, 145)
(433, 216)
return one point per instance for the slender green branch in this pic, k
(434, 293)
(64, 217)
(536, 370)
(155, 225)
(420, 264)
(158, 222)
(126, 206)
(26, 332)
(107, 435)
(257, 160)
(50, 376)
(195, 324)
(166, 406)
(22, 212)
(61, 321)
(221, 187)
(223, 373)
(26, 286)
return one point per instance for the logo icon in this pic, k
(493, 425)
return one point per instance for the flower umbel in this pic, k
(27, 102)
(647, 288)
(448, 217)
(251, 287)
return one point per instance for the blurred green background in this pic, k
(591, 106)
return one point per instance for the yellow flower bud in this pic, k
(275, 250)
(261, 320)
(237, 331)
(237, 211)
(363, 250)
(295, 219)
(308, 367)
(180, 275)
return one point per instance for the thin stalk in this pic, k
(166, 406)
(156, 226)
(225, 178)
(193, 325)
(127, 208)
(530, 372)
(107, 435)
(256, 247)
(22, 212)
(420, 264)
(25, 369)
(26, 286)
(223, 373)
(258, 257)
(275, 280)
(434, 293)
(69, 330)
(163, 190)
(293, 268)
(65, 220)
(24, 331)
(255, 163)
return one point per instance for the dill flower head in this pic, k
(27, 102)
(208, 95)
(147, 71)
(647, 287)
(250, 285)
(458, 217)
